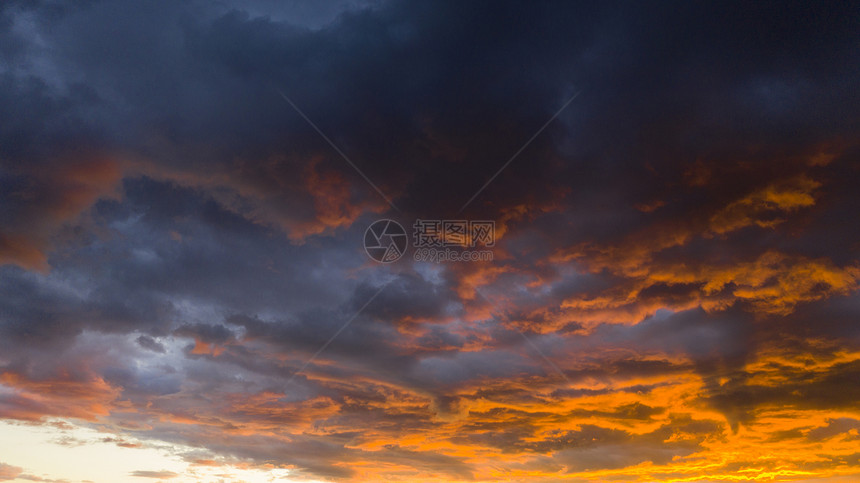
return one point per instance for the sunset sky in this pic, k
(186, 189)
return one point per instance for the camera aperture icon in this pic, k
(385, 241)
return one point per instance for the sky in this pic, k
(193, 286)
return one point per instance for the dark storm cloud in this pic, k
(415, 93)
(160, 198)
(150, 344)
(40, 312)
(408, 298)
(834, 389)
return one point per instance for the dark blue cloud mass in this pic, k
(184, 194)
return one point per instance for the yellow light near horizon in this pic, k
(77, 453)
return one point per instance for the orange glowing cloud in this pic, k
(52, 196)
(759, 208)
(31, 400)
(316, 202)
